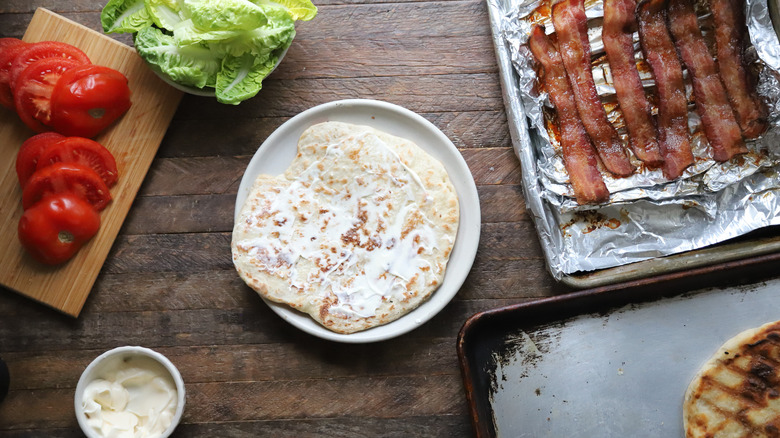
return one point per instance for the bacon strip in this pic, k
(571, 26)
(619, 25)
(730, 29)
(717, 117)
(579, 157)
(659, 51)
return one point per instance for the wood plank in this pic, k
(202, 138)
(342, 427)
(252, 363)
(253, 324)
(133, 141)
(222, 174)
(421, 94)
(391, 397)
(214, 213)
(25, 6)
(171, 291)
(393, 22)
(211, 251)
(377, 33)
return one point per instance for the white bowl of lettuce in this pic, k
(222, 48)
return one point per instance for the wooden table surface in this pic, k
(169, 282)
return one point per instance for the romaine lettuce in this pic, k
(242, 77)
(125, 16)
(164, 13)
(231, 45)
(302, 10)
(192, 65)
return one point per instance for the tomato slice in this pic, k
(54, 229)
(34, 87)
(30, 151)
(82, 151)
(8, 51)
(66, 177)
(88, 99)
(41, 50)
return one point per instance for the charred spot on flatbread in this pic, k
(737, 392)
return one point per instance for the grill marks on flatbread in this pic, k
(356, 233)
(737, 392)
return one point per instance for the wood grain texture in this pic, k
(168, 282)
(133, 141)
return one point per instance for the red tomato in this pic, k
(8, 52)
(55, 228)
(44, 49)
(33, 91)
(30, 151)
(87, 99)
(66, 177)
(82, 151)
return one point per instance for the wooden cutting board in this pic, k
(134, 141)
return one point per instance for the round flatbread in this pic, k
(737, 392)
(356, 233)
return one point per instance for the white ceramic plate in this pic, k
(279, 150)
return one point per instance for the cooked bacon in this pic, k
(571, 26)
(717, 117)
(730, 30)
(579, 157)
(619, 25)
(659, 51)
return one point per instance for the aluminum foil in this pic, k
(646, 216)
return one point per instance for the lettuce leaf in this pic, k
(303, 10)
(242, 77)
(225, 14)
(193, 65)
(231, 45)
(125, 16)
(260, 41)
(164, 13)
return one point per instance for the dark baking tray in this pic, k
(482, 340)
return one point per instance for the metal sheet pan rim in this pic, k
(543, 217)
(669, 286)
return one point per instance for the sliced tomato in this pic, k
(30, 151)
(87, 99)
(82, 151)
(41, 50)
(66, 177)
(8, 51)
(33, 91)
(55, 228)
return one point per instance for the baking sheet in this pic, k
(579, 248)
(602, 363)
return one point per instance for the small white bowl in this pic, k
(102, 364)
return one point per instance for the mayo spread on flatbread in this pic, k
(356, 232)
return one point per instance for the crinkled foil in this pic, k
(647, 216)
